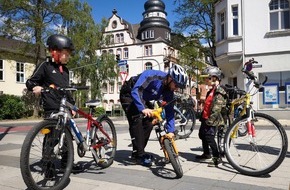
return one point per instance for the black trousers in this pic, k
(207, 136)
(139, 128)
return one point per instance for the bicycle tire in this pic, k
(105, 154)
(41, 167)
(173, 157)
(185, 130)
(261, 157)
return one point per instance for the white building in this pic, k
(142, 46)
(258, 29)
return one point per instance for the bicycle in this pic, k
(166, 142)
(185, 118)
(264, 146)
(47, 153)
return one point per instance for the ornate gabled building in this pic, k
(139, 46)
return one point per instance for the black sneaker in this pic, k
(203, 157)
(77, 168)
(147, 160)
(215, 162)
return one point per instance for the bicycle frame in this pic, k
(160, 132)
(65, 113)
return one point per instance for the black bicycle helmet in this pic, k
(178, 74)
(213, 71)
(59, 42)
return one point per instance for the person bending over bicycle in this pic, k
(211, 116)
(135, 95)
(53, 71)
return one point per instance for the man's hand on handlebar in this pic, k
(147, 112)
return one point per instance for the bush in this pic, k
(98, 111)
(11, 107)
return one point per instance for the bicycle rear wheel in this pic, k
(104, 155)
(173, 157)
(184, 127)
(42, 164)
(259, 157)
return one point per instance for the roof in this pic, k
(24, 51)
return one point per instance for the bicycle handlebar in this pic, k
(72, 88)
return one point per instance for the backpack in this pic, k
(125, 92)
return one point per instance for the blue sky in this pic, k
(130, 10)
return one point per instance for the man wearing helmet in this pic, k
(211, 116)
(53, 71)
(150, 85)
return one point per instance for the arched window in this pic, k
(148, 66)
(119, 52)
(279, 14)
(112, 40)
(117, 38)
(121, 38)
(104, 88)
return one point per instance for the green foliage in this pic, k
(11, 107)
(31, 103)
(197, 19)
(97, 112)
(34, 21)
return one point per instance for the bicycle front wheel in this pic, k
(44, 163)
(184, 122)
(259, 155)
(104, 154)
(173, 157)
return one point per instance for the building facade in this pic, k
(260, 30)
(138, 46)
(16, 65)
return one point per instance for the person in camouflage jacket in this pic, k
(212, 115)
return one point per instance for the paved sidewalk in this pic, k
(123, 175)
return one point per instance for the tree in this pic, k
(34, 20)
(197, 18)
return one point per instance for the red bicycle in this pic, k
(47, 153)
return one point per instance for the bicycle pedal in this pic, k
(101, 161)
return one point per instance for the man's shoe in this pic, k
(215, 162)
(77, 168)
(203, 157)
(147, 160)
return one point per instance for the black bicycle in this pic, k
(185, 117)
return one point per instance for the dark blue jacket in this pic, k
(149, 86)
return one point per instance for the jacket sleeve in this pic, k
(37, 77)
(169, 112)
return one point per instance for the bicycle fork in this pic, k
(162, 138)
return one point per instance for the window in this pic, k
(235, 20)
(279, 15)
(71, 77)
(117, 38)
(20, 72)
(111, 52)
(222, 29)
(148, 50)
(114, 24)
(105, 88)
(151, 33)
(126, 53)
(1, 70)
(121, 38)
(111, 86)
(148, 66)
(119, 52)
(112, 39)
